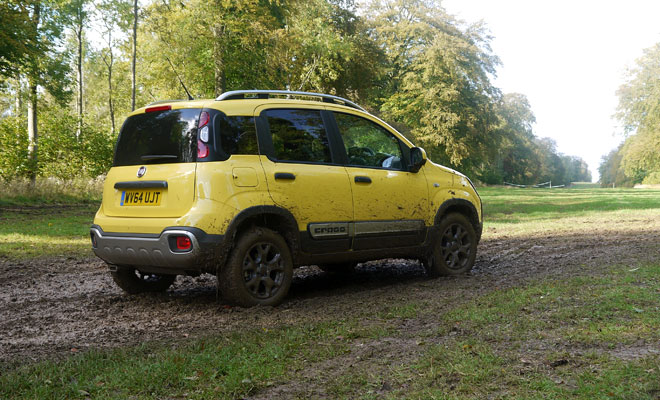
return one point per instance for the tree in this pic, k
(439, 82)
(113, 15)
(46, 67)
(18, 39)
(134, 54)
(639, 111)
(78, 17)
(518, 161)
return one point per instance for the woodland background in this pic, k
(70, 72)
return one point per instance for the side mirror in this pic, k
(417, 159)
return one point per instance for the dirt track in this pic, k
(50, 308)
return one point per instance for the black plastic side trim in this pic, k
(321, 246)
(141, 185)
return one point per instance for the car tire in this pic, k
(455, 249)
(339, 269)
(133, 281)
(259, 270)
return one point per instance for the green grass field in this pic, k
(32, 229)
(595, 336)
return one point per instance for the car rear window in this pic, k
(158, 137)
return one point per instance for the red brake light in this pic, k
(202, 149)
(203, 119)
(183, 243)
(158, 108)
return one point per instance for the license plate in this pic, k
(141, 197)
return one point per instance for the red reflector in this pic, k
(203, 119)
(202, 149)
(183, 243)
(158, 108)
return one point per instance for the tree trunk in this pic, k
(218, 59)
(133, 82)
(33, 135)
(109, 61)
(110, 103)
(79, 61)
(19, 100)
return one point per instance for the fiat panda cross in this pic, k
(254, 183)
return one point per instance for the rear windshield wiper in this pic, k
(149, 157)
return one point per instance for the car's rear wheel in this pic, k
(259, 270)
(134, 281)
(455, 250)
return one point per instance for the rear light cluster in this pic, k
(203, 137)
(180, 243)
(183, 243)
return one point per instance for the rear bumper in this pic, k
(156, 252)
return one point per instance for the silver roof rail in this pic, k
(264, 94)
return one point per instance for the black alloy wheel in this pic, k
(259, 270)
(455, 249)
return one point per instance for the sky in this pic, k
(569, 58)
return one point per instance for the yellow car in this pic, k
(252, 184)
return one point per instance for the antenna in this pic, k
(179, 78)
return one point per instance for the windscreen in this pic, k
(158, 137)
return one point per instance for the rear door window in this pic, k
(158, 137)
(298, 135)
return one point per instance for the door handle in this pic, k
(285, 176)
(362, 179)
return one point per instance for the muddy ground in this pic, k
(51, 308)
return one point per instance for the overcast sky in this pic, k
(568, 58)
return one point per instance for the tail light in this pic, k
(183, 243)
(203, 135)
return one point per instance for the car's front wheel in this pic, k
(455, 250)
(259, 270)
(134, 281)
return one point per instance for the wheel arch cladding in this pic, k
(272, 217)
(464, 207)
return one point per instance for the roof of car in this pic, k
(250, 99)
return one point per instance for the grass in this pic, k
(50, 217)
(28, 232)
(513, 205)
(584, 337)
(228, 367)
(580, 338)
(22, 192)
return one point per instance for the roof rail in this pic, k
(264, 94)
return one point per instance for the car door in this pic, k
(303, 175)
(390, 203)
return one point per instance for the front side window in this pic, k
(368, 144)
(298, 135)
